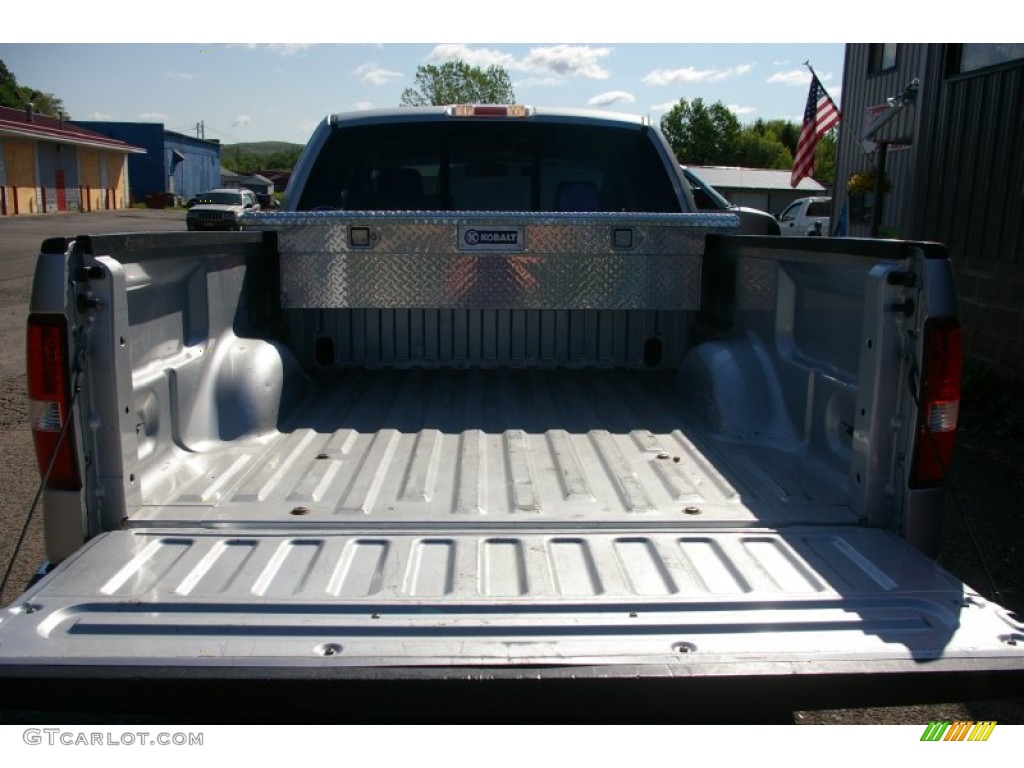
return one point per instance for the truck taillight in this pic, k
(49, 400)
(939, 402)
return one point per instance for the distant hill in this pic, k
(247, 157)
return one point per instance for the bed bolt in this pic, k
(374, 615)
(299, 511)
(632, 614)
(691, 511)
(676, 459)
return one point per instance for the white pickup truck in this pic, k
(487, 413)
(808, 217)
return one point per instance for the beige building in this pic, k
(49, 165)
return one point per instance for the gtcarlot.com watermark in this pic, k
(67, 737)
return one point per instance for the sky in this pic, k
(131, 61)
(250, 92)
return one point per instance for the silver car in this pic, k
(221, 209)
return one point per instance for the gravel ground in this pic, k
(985, 510)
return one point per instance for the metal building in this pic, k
(947, 123)
(762, 188)
(175, 163)
(49, 165)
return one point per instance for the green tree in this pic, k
(756, 150)
(785, 132)
(702, 135)
(456, 82)
(825, 158)
(17, 96)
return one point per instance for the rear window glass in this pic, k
(475, 165)
(819, 209)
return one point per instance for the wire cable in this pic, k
(80, 361)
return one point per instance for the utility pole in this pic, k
(201, 130)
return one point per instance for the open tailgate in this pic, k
(797, 614)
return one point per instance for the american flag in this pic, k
(820, 115)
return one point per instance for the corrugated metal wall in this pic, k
(961, 184)
(199, 171)
(146, 172)
(862, 89)
(971, 193)
(972, 186)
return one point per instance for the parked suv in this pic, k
(221, 209)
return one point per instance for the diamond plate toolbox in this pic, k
(335, 260)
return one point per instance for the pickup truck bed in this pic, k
(314, 492)
(491, 449)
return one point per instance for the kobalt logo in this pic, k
(492, 237)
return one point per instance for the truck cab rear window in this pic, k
(489, 166)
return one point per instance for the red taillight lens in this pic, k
(940, 402)
(49, 399)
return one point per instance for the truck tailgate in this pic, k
(746, 602)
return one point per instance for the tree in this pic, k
(17, 96)
(702, 135)
(456, 82)
(825, 158)
(785, 132)
(756, 150)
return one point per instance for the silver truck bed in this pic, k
(282, 498)
(495, 448)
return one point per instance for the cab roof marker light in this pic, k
(489, 110)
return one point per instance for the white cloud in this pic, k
(241, 120)
(611, 97)
(798, 77)
(99, 116)
(559, 61)
(664, 106)
(374, 75)
(154, 116)
(792, 77)
(362, 105)
(281, 49)
(739, 111)
(179, 76)
(475, 57)
(694, 75)
(568, 61)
